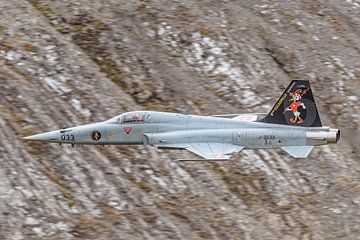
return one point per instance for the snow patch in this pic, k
(354, 4)
(186, 176)
(12, 56)
(353, 98)
(218, 63)
(56, 85)
(337, 64)
(161, 31)
(31, 221)
(62, 226)
(211, 56)
(38, 231)
(253, 163)
(299, 23)
(78, 106)
(315, 38)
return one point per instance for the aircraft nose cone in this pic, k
(43, 137)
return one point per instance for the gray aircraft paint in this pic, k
(211, 137)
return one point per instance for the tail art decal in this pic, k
(296, 106)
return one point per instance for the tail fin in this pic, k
(296, 107)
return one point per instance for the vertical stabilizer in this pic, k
(296, 107)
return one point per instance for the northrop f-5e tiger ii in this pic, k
(293, 125)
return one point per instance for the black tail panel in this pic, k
(296, 107)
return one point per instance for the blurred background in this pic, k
(65, 63)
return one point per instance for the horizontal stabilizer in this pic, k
(298, 151)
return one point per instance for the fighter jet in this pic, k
(293, 125)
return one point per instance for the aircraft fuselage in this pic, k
(293, 124)
(160, 127)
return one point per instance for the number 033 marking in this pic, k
(67, 137)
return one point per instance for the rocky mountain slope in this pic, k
(64, 63)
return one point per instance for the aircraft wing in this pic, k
(215, 151)
(209, 151)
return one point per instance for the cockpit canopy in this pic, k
(130, 117)
(133, 118)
